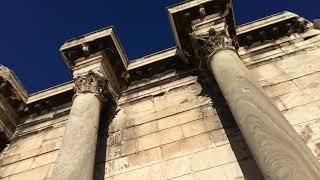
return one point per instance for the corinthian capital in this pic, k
(92, 82)
(213, 42)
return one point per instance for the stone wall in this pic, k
(292, 80)
(175, 132)
(33, 150)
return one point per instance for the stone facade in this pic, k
(163, 116)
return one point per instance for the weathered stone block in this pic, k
(37, 173)
(26, 144)
(44, 159)
(170, 135)
(268, 72)
(55, 133)
(300, 64)
(213, 157)
(295, 99)
(145, 129)
(309, 81)
(302, 114)
(178, 167)
(196, 143)
(280, 89)
(17, 167)
(186, 177)
(193, 128)
(154, 172)
(186, 146)
(149, 141)
(145, 157)
(179, 119)
(212, 123)
(129, 147)
(211, 173)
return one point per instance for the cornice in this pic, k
(12, 101)
(271, 28)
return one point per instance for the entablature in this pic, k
(271, 28)
(101, 52)
(13, 99)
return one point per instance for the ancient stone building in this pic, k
(226, 103)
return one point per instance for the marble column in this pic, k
(279, 151)
(76, 156)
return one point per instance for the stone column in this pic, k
(279, 151)
(76, 156)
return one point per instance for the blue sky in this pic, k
(33, 30)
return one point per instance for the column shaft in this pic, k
(279, 151)
(77, 154)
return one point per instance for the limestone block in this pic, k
(186, 146)
(50, 145)
(16, 167)
(313, 92)
(46, 146)
(134, 161)
(172, 150)
(219, 137)
(37, 173)
(212, 123)
(124, 135)
(44, 159)
(280, 89)
(154, 172)
(295, 99)
(233, 171)
(170, 135)
(112, 152)
(179, 119)
(186, 177)
(129, 147)
(309, 81)
(197, 143)
(146, 128)
(145, 157)
(193, 128)
(212, 157)
(139, 108)
(212, 173)
(178, 167)
(177, 97)
(268, 72)
(301, 64)
(26, 144)
(149, 141)
(55, 133)
(302, 114)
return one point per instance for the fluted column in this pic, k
(77, 154)
(277, 148)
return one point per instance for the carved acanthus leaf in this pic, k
(213, 42)
(92, 82)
